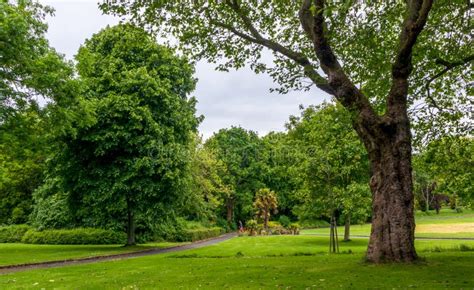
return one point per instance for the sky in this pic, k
(225, 99)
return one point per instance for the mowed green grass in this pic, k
(446, 218)
(13, 254)
(299, 262)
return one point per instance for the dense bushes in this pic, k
(13, 233)
(80, 236)
(191, 235)
(179, 231)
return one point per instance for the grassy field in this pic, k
(11, 254)
(448, 224)
(264, 262)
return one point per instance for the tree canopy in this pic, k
(130, 163)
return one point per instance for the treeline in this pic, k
(110, 141)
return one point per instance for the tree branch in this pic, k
(257, 38)
(312, 20)
(415, 20)
(448, 66)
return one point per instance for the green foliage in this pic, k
(332, 164)
(23, 150)
(28, 66)
(252, 227)
(236, 33)
(13, 233)
(284, 221)
(238, 150)
(129, 164)
(448, 162)
(192, 235)
(206, 187)
(79, 236)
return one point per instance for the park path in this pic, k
(62, 263)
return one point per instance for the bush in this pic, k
(79, 236)
(252, 227)
(192, 235)
(13, 233)
(294, 228)
(284, 221)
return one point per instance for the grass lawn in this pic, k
(11, 254)
(448, 224)
(264, 262)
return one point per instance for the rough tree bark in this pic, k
(387, 138)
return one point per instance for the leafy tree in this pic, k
(238, 149)
(130, 163)
(281, 171)
(207, 189)
(23, 150)
(334, 165)
(445, 167)
(265, 203)
(30, 70)
(369, 75)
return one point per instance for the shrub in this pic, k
(252, 227)
(79, 236)
(13, 233)
(192, 235)
(294, 228)
(284, 221)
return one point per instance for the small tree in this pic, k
(265, 203)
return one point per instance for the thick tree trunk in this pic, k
(347, 229)
(131, 229)
(393, 223)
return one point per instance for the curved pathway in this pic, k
(61, 263)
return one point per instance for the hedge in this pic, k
(13, 233)
(79, 236)
(192, 235)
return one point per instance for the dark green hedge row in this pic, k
(13, 233)
(79, 236)
(192, 235)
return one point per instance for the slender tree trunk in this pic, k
(230, 210)
(131, 229)
(347, 229)
(393, 223)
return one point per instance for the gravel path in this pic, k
(61, 263)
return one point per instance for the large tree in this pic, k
(130, 162)
(362, 53)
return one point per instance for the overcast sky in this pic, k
(224, 98)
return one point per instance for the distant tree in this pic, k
(238, 149)
(446, 162)
(131, 162)
(333, 163)
(206, 188)
(265, 204)
(406, 61)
